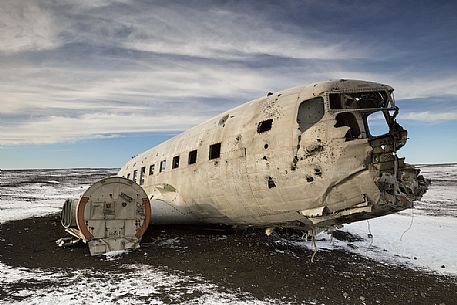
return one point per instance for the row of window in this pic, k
(214, 153)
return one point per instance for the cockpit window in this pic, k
(377, 124)
(310, 112)
(358, 100)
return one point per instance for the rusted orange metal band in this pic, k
(147, 218)
(80, 216)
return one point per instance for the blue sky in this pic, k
(90, 83)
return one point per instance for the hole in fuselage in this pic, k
(271, 183)
(264, 125)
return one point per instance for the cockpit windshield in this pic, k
(359, 100)
(367, 114)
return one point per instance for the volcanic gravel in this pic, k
(267, 267)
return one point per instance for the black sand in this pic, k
(246, 261)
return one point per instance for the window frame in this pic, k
(151, 169)
(142, 174)
(193, 154)
(214, 151)
(162, 166)
(175, 162)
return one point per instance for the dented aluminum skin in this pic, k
(303, 158)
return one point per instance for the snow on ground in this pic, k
(132, 285)
(16, 209)
(417, 241)
(428, 242)
(424, 238)
(441, 197)
(32, 193)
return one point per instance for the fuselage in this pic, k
(302, 157)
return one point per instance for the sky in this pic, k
(91, 83)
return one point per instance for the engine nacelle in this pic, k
(111, 215)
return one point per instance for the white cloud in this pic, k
(85, 89)
(427, 116)
(55, 129)
(25, 26)
(211, 34)
(90, 4)
(106, 83)
(201, 31)
(412, 86)
(406, 86)
(62, 105)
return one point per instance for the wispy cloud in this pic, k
(68, 129)
(427, 116)
(200, 30)
(81, 69)
(134, 90)
(407, 86)
(25, 26)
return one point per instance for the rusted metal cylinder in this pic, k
(111, 215)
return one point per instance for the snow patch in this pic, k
(133, 284)
(113, 255)
(414, 240)
(418, 241)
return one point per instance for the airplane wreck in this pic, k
(307, 158)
